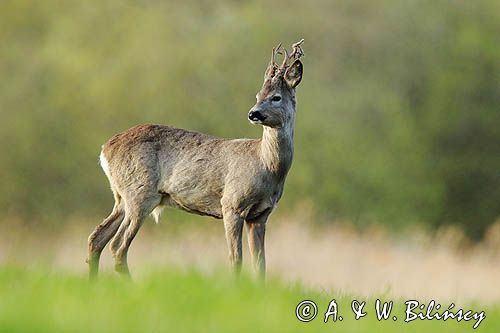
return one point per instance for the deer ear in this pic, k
(293, 74)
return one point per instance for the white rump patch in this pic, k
(104, 165)
(156, 213)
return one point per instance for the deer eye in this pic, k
(276, 98)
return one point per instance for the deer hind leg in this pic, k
(102, 234)
(136, 212)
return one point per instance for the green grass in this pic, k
(38, 300)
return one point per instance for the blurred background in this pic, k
(398, 113)
(396, 174)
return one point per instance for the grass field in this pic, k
(41, 300)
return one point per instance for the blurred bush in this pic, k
(398, 113)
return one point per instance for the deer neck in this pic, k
(276, 149)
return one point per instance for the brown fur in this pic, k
(241, 180)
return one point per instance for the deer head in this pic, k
(275, 105)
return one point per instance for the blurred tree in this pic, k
(398, 118)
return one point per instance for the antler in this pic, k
(297, 50)
(274, 71)
(272, 67)
(276, 50)
(296, 53)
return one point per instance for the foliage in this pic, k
(40, 300)
(398, 118)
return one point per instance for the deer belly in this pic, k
(195, 188)
(196, 202)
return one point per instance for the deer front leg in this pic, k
(233, 225)
(256, 230)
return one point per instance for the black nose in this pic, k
(256, 116)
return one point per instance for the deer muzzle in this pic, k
(256, 116)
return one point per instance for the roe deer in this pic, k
(239, 181)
